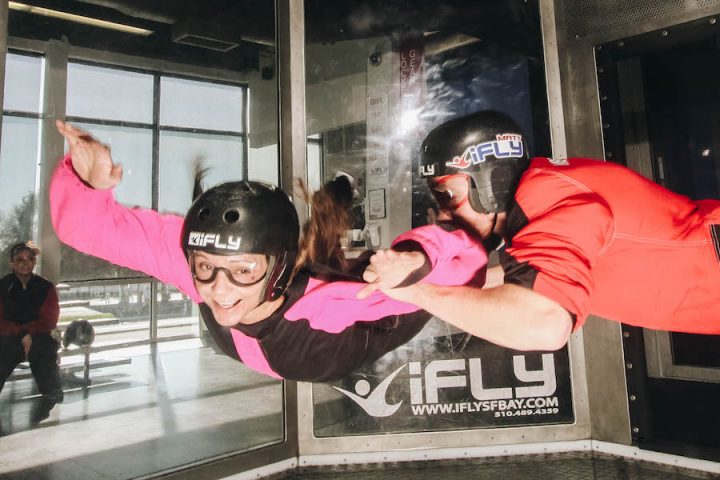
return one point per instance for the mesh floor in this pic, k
(575, 466)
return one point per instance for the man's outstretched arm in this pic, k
(508, 315)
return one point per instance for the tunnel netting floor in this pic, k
(574, 466)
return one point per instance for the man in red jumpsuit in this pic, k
(580, 237)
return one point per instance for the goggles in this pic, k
(450, 191)
(241, 273)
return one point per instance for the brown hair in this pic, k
(199, 173)
(329, 219)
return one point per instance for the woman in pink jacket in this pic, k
(237, 254)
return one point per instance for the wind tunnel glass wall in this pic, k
(165, 103)
(19, 149)
(379, 77)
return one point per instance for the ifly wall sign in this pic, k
(448, 383)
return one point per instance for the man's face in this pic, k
(230, 285)
(450, 191)
(23, 263)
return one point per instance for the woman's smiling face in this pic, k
(231, 285)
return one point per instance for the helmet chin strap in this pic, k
(493, 241)
(279, 278)
(270, 277)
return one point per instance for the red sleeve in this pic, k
(567, 229)
(47, 315)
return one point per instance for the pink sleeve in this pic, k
(334, 306)
(92, 222)
(455, 257)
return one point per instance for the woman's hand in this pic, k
(388, 269)
(91, 159)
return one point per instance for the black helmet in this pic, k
(246, 217)
(488, 146)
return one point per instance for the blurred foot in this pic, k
(56, 396)
(41, 409)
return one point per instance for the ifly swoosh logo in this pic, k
(461, 161)
(373, 402)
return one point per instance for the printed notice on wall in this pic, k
(376, 203)
(377, 140)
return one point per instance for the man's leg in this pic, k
(43, 358)
(11, 353)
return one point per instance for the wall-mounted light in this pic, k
(71, 17)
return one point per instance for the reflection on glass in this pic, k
(120, 313)
(19, 150)
(23, 82)
(314, 164)
(177, 315)
(18, 168)
(205, 105)
(132, 148)
(263, 164)
(109, 93)
(377, 81)
(177, 392)
(181, 151)
(161, 102)
(444, 379)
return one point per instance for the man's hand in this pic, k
(26, 344)
(91, 159)
(388, 269)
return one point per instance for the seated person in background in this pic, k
(29, 312)
(269, 299)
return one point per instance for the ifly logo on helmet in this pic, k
(204, 239)
(506, 145)
(427, 171)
